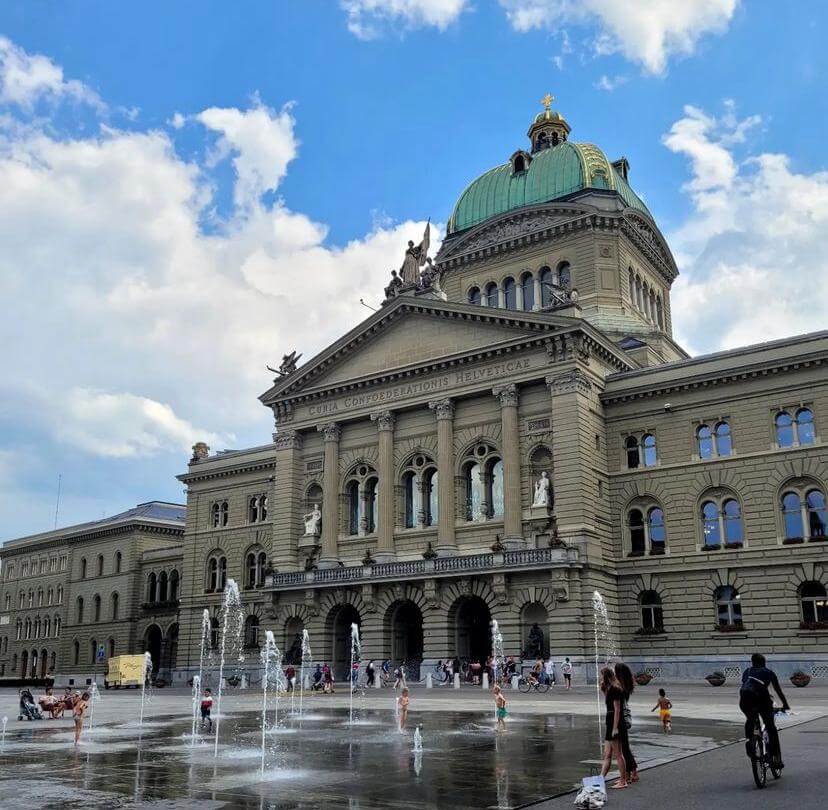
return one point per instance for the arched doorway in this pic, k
(44, 660)
(342, 619)
(293, 640)
(405, 622)
(33, 663)
(153, 639)
(472, 629)
(172, 646)
(24, 665)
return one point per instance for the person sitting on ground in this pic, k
(755, 701)
(78, 712)
(664, 705)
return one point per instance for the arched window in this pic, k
(632, 286)
(370, 505)
(519, 164)
(50, 596)
(545, 278)
(162, 586)
(564, 275)
(412, 498)
(722, 523)
(732, 516)
(659, 312)
(648, 450)
(83, 568)
(419, 483)
(216, 572)
(21, 598)
(817, 514)
(652, 612)
(19, 633)
(527, 285)
(257, 508)
(491, 294)
(251, 632)
(60, 594)
(111, 648)
(214, 633)
(254, 565)
(633, 456)
(79, 610)
(220, 514)
(638, 540)
(30, 598)
(361, 497)
(113, 606)
(28, 628)
(152, 588)
(76, 652)
(704, 438)
(57, 624)
(711, 531)
(805, 426)
(483, 475)
(652, 305)
(100, 565)
(804, 514)
(814, 601)
(658, 535)
(96, 606)
(430, 496)
(474, 295)
(40, 597)
(639, 295)
(728, 607)
(496, 477)
(353, 507)
(47, 627)
(722, 439)
(174, 580)
(510, 293)
(784, 429)
(118, 560)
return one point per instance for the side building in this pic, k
(75, 596)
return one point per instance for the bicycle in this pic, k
(527, 685)
(760, 759)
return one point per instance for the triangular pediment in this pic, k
(413, 333)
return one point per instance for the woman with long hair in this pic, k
(615, 728)
(625, 679)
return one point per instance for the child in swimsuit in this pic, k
(664, 705)
(500, 704)
(402, 703)
(78, 711)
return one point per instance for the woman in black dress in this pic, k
(627, 682)
(615, 728)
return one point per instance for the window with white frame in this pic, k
(804, 513)
(420, 485)
(721, 522)
(728, 607)
(483, 476)
(361, 486)
(216, 572)
(715, 442)
(257, 508)
(813, 599)
(219, 514)
(796, 430)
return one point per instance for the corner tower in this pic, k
(559, 228)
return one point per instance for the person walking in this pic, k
(206, 708)
(615, 729)
(566, 668)
(664, 705)
(370, 673)
(549, 668)
(627, 683)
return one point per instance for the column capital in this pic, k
(331, 431)
(443, 408)
(287, 440)
(507, 394)
(385, 419)
(572, 380)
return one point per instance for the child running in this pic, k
(78, 711)
(500, 703)
(206, 706)
(663, 705)
(402, 705)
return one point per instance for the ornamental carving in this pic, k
(385, 420)
(507, 394)
(331, 431)
(287, 440)
(568, 382)
(567, 347)
(443, 408)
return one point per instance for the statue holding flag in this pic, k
(415, 258)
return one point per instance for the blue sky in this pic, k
(179, 181)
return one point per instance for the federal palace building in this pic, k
(513, 429)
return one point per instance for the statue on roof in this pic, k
(393, 287)
(289, 364)
(415, 258)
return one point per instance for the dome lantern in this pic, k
(549, 127)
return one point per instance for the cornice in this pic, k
(206, 475)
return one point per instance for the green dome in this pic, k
(552, 174)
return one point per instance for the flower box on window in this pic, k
(813, 625)
(820, 539)
(713, 547)
(636, 553)
(650, 631)
(736, 627)
(792, 541)
(656, 551)
(734, 545)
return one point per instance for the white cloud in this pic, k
(648, 32)
(26, 78)
(262, 143)
(610, 83)
(367, 18)
(133, 330)
(753, 256)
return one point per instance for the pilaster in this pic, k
(329, 556)
(385, 496)
(444, 412)
(510, 439)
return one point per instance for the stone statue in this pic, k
(534, 645)
(289, 364)
(312, 519)
(415, 257)
(542, 491)
(200, 451)
(294, 654)
(393, 287)
(430, 276)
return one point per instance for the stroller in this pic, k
(28, 708)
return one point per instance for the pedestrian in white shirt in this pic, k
(550, 671)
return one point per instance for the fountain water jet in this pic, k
(196, 695)
(418, 741)
(497, 655)
(269, 651)
(231, 628)
(94, 695)
(603, 638)
(3, 740)
(306, 656)
(147, 676)
(355, 654)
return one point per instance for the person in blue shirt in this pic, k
(755, 700)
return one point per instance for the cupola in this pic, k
(549, 127)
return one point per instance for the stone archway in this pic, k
(471, 629)
(172, 646)
(340, 619)
(153, 643)
(24, 665)
(404, 629)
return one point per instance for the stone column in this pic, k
(328, 557)
(285, 500)
(538, 293)
(510, 439)
(385, 496)
(444, 411)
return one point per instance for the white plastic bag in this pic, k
(593, 793)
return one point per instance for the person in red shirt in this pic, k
(206, 706)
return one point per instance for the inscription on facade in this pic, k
(417, 388)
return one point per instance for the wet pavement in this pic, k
(321, 761)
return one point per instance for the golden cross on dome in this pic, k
(547, 101)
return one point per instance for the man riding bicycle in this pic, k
(755, 701)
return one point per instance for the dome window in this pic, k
(520, 162)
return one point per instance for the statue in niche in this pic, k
(543, 491)
(534, 644)
(294, 654)
(313, 521)
(415, 258)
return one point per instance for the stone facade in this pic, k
(689, 492)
